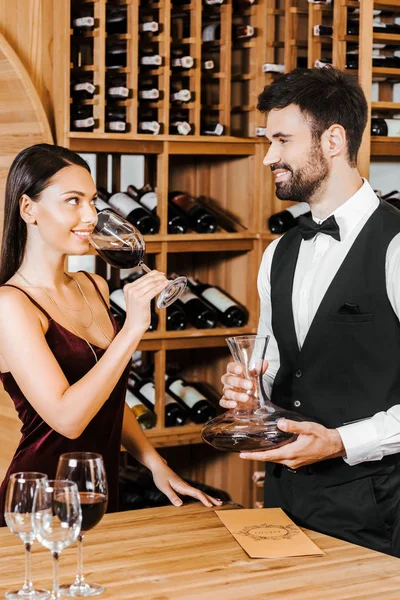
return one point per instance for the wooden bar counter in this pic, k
(172, 553)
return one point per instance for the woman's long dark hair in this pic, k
(30, 173)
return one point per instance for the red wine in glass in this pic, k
(123, 247)
(93, 506)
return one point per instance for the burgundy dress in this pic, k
(40, 446)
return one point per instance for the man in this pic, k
(330, 300)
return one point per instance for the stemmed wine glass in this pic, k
(18, 515)
(123, 247)
(87, 470)
(56, 520)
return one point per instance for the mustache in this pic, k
(277, 166)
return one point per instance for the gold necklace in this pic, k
(61, 306)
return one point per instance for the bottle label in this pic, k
(83, 22)
(210, 32)
(216, 129)
(123, 204)
(218, 299)
(148, 391)
(151, 60)
(187, 393)
(118, 298)
(244, 31)
(149, 200)
(117, 125)
(214, 2)
(182, 127)
(101, 205)
(185, 202)
(85, 87)
(301, 208)
(149, 26)
(186, 62)
(153, 126)
(120, 91)
(273, 68)
(182, 95)
(208, 64)
(131, 399)
(186, 296)
(153, 94)
(261, 131)
(83, 123)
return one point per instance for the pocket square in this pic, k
(349, 309)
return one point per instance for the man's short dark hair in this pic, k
(326, 96)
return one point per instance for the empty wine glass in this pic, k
(56, 520)
(87, 470)
(18, 515)
(123, 247)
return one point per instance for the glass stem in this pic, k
(56, 593)
(145, 268)
(80, 579)
(28, 587)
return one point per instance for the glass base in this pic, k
(83, 590)
(171, 292)
(241, 431)
(33, 595)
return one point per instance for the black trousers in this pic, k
(364, 511)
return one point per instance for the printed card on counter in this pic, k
(267, 533)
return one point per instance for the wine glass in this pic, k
(56, 520)
(254, 424)
(18, 515)
(87, 470)
(123, 247)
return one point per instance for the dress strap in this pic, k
(96, 287)
(46, 314)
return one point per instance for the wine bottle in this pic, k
(175, 414)
(116, 19)
(145, 417)
(230, 313)
(82, 90)
(148, 197)
(200, 219)
(118, 307)
(208, 65)
(213, 2)
(280, 68)
(101, 203)
(149, 27)
(284, 220)
(116, 119)
(353, 28)
(131, 210)
(240, 32)
(200, 409)
(243, 3)
(328, 2)
(150, 61)
(200, 314)
(212, 32)
(82, 23)
(116, 88)
(180, 128)
(182, 95)
(385, 127)
(148, 124)
(209, 128)
(149, 93)
(176, 318)
(116, 54)
(82, 118)
(261, 131)
(182, 62)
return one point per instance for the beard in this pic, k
(305, 181)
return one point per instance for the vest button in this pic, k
(299, 373)
(297, 403)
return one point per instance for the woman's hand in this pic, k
(171, 485)
(138, 296)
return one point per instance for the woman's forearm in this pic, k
(136, 443)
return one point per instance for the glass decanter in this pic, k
(251, 425)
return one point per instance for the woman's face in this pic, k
(65, 213)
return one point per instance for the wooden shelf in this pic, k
(385, 146)
(385, 72)
(178, 436)
(393, 106)
(190, 338)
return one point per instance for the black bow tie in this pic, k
(309, 228)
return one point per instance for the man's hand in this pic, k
(313, 444)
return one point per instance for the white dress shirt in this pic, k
(318, 261)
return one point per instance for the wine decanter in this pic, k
(251, 425)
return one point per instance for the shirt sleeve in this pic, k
(264, 323)
(374, 438)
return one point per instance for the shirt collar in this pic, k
(349, 214)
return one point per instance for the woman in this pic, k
(62, 360)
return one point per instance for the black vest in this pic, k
(349, 365)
